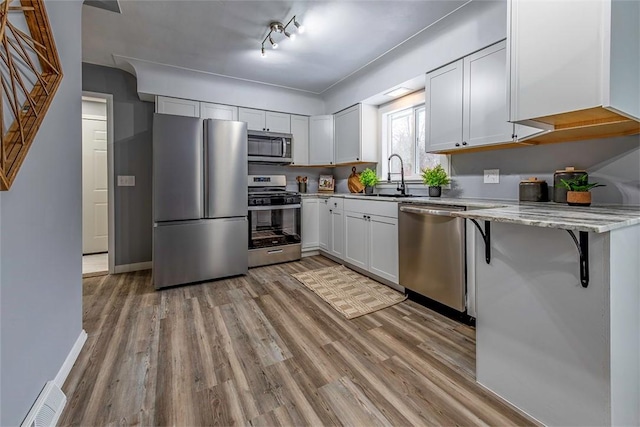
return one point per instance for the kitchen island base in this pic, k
(564, 354)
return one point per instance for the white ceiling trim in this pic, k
(121, 60)
(393, 48)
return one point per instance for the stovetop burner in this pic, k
(270, 190)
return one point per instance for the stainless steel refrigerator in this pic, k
(199, 199)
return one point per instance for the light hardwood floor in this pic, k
(264, 350)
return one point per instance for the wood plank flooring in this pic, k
(262, 350)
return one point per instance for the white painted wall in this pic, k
(157, 79)
(475, 26)
(41, 264)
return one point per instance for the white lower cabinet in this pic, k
(323, 224)
(310, 224)
(383, 247)
(336, 228)
(371, 237)
(355, 239)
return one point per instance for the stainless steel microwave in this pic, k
(269, 147)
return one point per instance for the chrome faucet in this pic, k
(401, 187)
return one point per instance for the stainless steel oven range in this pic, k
(274, 221)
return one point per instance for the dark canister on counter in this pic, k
(534, 190)
(560, 191)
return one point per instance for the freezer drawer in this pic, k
(194, 251)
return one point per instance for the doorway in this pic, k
(97, 194)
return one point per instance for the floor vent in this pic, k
(48, 407)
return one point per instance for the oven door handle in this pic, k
(274, 207)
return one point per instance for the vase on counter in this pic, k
(579, 198)
(368, 190)
(435, 191)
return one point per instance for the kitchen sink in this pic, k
(391, 195)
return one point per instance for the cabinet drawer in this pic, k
(372, 207)
(336, 203)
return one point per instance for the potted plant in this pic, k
(578, 193)
(435, 178)
(369, 179)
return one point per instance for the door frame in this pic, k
(111, 246)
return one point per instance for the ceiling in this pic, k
(224, 37)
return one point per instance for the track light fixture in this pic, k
(277, 27)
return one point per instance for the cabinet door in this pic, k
(321, 140)
(218, 111)
(323, 224)
(485, 92)
(310, 224)
(347, 135)
(255, 118)
(278, 122)
(300, 131)
(356, 231)
(383, 247)
(336, 235)
(555, 58)
(177, 107)
(443, 102)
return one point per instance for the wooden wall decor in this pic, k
(30, 74)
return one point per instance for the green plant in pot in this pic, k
(435, 178)
(578, 190)
(369, 179)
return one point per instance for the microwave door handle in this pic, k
(284, 147)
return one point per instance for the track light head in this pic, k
(263, 52)
(299, 26)
(273, 44)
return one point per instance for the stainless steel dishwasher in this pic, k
(432, 253)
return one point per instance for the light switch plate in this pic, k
(126, 181)
(492, 176)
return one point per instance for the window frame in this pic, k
(414, 102)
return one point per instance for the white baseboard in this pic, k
(63, 373)
(310, 252)
(128, 268)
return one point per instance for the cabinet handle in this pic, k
(457, 144)
(267, 129)
(335, 204)
(263, 129)
(364, 216)
(330, 210)
(464, 142)
(369, 218)
(358, 158)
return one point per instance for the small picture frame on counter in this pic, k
(326, 184)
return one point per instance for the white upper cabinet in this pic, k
(255, 118)
(321, 140)
(177, 107)
(574, 64)
(300, 132)
(218, 111)
(466, 104)
(265, 120)
(356, 136)
(443, 104)
(484, 112)
(278, 122)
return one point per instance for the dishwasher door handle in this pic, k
(425, 211)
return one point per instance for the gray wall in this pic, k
(40, 236)
(132, 156)
(614, 162)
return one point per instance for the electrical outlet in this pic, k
(126, 181)
(492, 176)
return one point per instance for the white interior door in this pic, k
(94, 186)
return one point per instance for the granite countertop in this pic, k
(594, 219)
